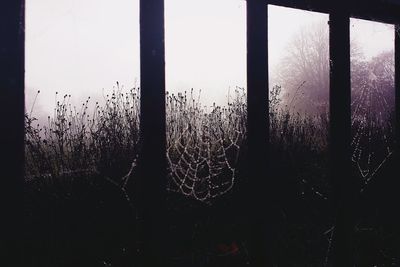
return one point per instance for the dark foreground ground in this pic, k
(88, 221)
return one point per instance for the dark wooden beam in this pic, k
(396, 183)
(397, 88)
(316, 6)
(378, 10)
(151, 192)
(12, 129)
(344, 186)
(258, 201)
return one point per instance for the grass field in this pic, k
(80, 211)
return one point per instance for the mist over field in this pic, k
(84, 65)
(83, 147)
(74, 51)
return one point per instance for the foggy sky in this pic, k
(81, 47)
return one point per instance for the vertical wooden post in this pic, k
(396, 165)
(397, 88)
(12, 129)
(258, 133)
(342, 250)
(152, 163)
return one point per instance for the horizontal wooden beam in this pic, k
(383, 11)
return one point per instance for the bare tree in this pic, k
(303, 72)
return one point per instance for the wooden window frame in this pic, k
(151, 195)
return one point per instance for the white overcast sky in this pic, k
(81, 47)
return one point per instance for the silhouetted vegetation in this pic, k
(80, 168)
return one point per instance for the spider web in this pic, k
(372, 128)
(203, 147)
